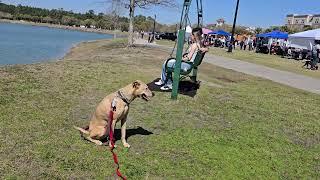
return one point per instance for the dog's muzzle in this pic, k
(146, 97)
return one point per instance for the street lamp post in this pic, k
(233, 28)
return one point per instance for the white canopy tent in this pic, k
(304, 40)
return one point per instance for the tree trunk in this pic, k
(131, 17)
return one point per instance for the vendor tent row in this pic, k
(302, 40)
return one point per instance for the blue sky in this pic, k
(262, 13)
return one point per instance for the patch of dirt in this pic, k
(225, 79)
(224, 97)
(6, 75)
(214, 73)
(307, 141)
(82, 112)
(211, 84)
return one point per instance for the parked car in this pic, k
(158, 35)
(168, 36)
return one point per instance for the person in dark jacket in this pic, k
(241, 44)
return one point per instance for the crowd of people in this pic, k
(272, 46)
(246, 43)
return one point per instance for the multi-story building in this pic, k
(316, 21)
(301, 21)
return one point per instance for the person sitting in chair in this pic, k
(196, 45)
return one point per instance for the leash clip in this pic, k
(114, 105)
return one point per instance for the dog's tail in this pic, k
(81, 130)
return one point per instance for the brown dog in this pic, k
(120, 100)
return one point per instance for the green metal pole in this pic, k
(177, 67)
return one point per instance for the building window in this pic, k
(302, 21)
(289, 22)
(317, 21)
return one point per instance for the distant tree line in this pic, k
(107, 21)
(287, 29)
(70, 18)
(258, 30)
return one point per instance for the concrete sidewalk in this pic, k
(287, 78)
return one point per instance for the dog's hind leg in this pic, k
(97, 134)
(97, 142)
(81, 130)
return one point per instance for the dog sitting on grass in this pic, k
(118, 102)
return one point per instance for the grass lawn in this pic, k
(236, 127)
(272, 61)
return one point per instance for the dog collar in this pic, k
(123, 98)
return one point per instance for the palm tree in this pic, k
(258, 30)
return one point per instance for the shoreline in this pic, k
(118, 34)
(66, 55)
(69, 54)
(72, 47)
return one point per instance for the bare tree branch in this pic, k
(146, 3)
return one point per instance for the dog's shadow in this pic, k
(129, 132)
(187, 88)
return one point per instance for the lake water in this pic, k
(25, 44)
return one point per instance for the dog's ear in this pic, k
(136, 84)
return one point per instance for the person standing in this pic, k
(315, 56)
(254, 43)
(250, 43)
(245, 44)
(223, 41)
(149, 38)
(241, 44)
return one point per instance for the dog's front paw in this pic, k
(99, 143)
(110, 145)
(126, 145)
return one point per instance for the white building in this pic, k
(300, 21)
(220, 22)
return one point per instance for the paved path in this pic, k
(287, 78)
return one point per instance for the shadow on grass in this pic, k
(117, 133)
(187, 88)
(131, 132)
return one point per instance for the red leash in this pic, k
(115, 157)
